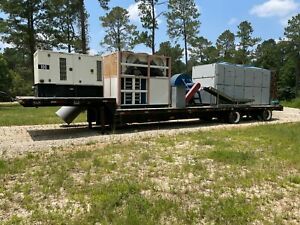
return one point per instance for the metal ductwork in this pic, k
(69, 113)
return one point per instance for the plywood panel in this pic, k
(110, 64)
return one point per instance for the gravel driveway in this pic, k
(18, 140)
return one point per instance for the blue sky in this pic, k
(268, 18)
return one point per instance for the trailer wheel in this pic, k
(234, 117)
(266, 115)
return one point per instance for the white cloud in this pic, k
(134, 12)
(276, 8)
(233, 21)
(93, 52)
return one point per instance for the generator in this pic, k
(58, 74)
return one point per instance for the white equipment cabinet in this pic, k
(237, 81)
(137, 79)
(67, 75)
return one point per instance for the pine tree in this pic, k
(120, 34)
(104, 4)
(149, 19)
(62, 20)
(247, 42)
(83, 16)
(5, 78)
(200, 49)
(83, 26)
(183, 22)
(23, 28)
(175, 52)
(226, 45)
(292, 32)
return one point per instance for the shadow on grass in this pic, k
(80, 131)
(176, 124)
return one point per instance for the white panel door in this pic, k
(159, 89)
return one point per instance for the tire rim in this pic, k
(268, 115)
(237, 117)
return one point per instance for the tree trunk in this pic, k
(297, 86)
(119, 39)
(83, 27)
(69, 40)
(31, 37)
(153, 28)
(185, 46)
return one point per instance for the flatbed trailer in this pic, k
(104, 111)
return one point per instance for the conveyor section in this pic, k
(224, 97)
(191, 93)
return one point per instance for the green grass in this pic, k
(14, 114)
(295, 103)
(217, 177)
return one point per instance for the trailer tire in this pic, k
(234, 117)
(265, 115)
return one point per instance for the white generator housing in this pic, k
(237, 81)
(64, 74)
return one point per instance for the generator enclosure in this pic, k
(58, 74)
(237, 81)
(137, 79)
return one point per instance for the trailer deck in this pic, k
(105, 113)
(31, 101)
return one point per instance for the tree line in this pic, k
(63, 25)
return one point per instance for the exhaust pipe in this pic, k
(69, 113)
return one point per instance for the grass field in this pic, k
(295, 103)
(15, 114)
(240, 176)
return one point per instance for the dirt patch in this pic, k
(19, 140)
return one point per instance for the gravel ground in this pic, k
(18, 140)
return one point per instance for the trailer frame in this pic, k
(105, 113)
